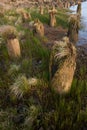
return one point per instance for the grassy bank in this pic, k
(37, 107)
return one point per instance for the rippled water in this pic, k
(83, 30)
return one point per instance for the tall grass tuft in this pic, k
(20, 86)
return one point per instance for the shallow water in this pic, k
(83, 31)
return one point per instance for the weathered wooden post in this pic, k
(47, 7)
(9, 33)
(79, 9)
(25, 16)
(38, 28)
(62, 65)
(52, 17)
(68, 4)
(13, 47)
(73, 28)
(41, 10)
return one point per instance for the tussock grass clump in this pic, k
(20, 86)
(18, 21)
(13, 70)
(24, 14)
(23, 86)
(4, 119)
(32, 116)
(9, 17)
(8, 32)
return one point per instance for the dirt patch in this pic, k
(54, 34)
(82, 55)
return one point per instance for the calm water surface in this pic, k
(83, 30)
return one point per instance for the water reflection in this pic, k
(83, 30)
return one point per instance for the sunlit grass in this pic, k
(46, 110)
